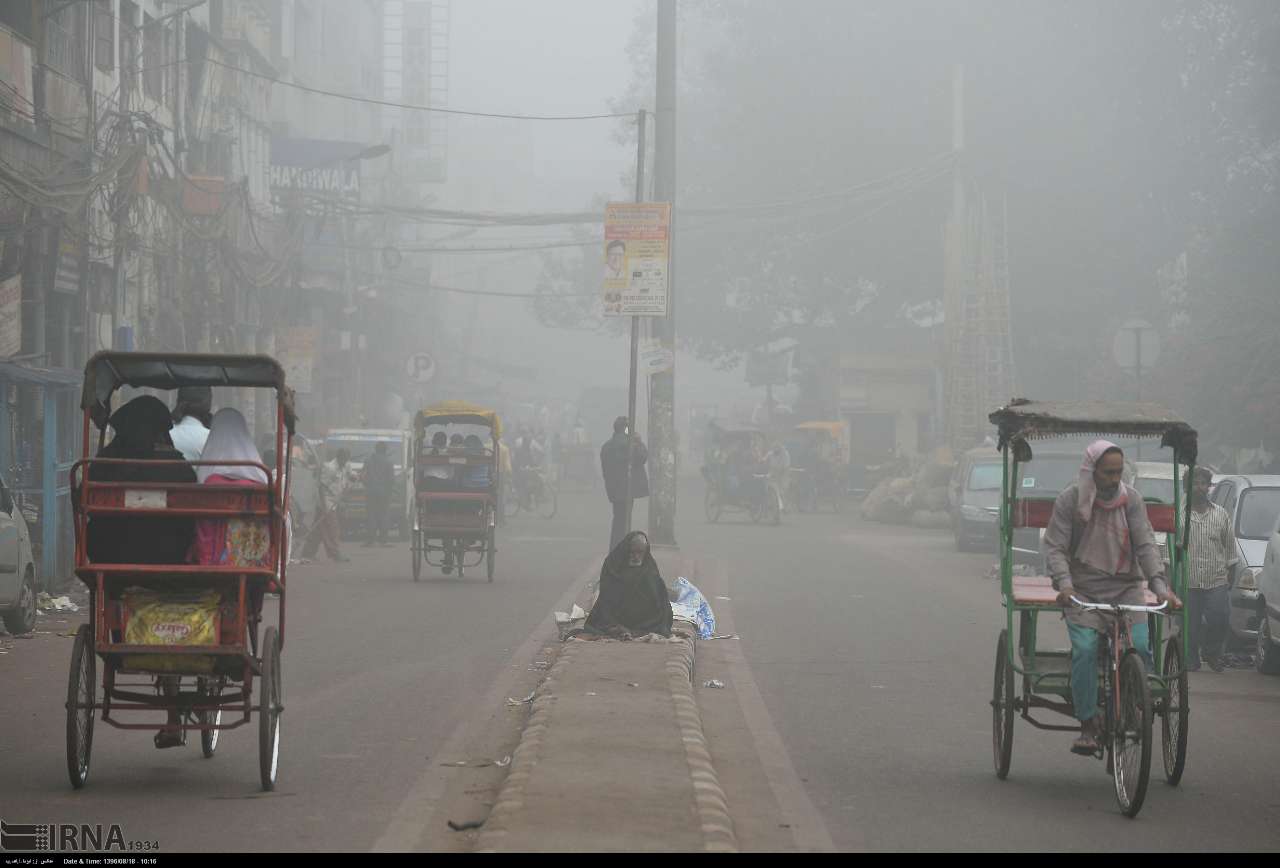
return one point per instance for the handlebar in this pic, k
(1118, 607)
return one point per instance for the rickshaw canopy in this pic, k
(1023, 420)
(458, 412)
(108, 371)
(835, 429)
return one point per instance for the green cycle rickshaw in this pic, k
(1130, 697)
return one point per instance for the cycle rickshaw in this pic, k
(188, 633)
(737, 478)
(456, 488)
(1130, 696)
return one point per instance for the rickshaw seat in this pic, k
(1038, 591)
(1161, 516)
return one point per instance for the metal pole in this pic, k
(635, 332)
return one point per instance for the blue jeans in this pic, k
(1084, 665)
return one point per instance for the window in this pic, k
(1259, 509)
(104, 33)
(130, 46)
(986, 477)
(155, 74)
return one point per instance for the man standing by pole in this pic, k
(622, 461)
(1210, 553)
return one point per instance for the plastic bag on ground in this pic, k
(690, 605)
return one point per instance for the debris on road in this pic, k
(567, 617)
(48, 603)
(723, 636)
(469, 824)
(714, 683)
(513, 701)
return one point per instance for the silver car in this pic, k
(1254, 505)
(17, 568)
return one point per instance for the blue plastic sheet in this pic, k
(690, 605)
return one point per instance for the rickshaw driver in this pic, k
(1099, 523)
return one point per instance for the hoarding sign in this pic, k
(637, 250)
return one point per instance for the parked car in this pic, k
(974, 500)
(17, 568)
(1254, 505)
(1267, 655)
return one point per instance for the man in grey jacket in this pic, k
(1100, 546)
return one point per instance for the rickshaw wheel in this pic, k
(1131, 736)
(712, 506)
(81, 687)
(1002, 709)
(549, 501)
(1177, 713)
(210, 688)
(491, 551)
(269, 707)
(416, 547)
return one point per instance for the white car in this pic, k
(1267, 656)
(17, 568)
(1254, 505)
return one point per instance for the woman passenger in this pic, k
(241, 542)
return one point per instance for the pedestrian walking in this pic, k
(332, 481)
(379, 482)
(1210, 556)
(621, 451)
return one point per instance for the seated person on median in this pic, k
(1095, 543)
(632, 599)
(241, 542)
(141, 434)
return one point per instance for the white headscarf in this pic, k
(229, 440)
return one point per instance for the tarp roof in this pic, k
(1023, 419)
(108, 371)
(459, 412)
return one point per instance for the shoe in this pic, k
(1216, 664)
(170, 738)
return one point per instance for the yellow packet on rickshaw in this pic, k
(172, 618)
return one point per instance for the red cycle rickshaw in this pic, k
(182, 639)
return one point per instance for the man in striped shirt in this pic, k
(1211, 552)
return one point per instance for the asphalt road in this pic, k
(377, 672)
(872, 648)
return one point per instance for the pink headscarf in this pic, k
(1104, 541)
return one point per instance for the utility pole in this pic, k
(635, 330)
(662, 393)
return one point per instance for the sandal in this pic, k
(1087, 743)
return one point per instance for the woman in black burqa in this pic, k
(632, 599)
(141, 434)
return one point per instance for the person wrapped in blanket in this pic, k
(240, 542)
(141, 435)
(632, 598)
